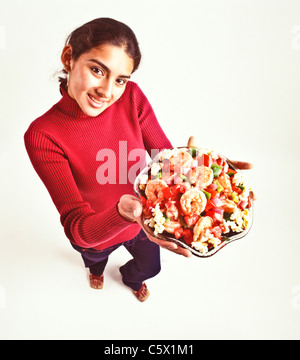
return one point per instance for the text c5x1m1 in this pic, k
(151, 350)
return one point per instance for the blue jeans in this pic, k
(144, 265)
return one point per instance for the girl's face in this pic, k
(98, 77)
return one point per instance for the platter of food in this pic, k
(196, 198)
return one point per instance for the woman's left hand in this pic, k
(130, 208)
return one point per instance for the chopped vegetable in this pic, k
(218, 185)
(193, 152)
(235, 197)
(184, 178)
(217, 169)
(231, 172)
(207, 194)
(167, 193)
(205, 160)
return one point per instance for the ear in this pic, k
(66, 57)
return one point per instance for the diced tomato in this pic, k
(178, 233)
(167, 193)
(178, 189)
(150, 204)
(231, 171)
(191, 219)
(187, 236)
(144, 200)
(205, 160)
(216, 231)
(236, 189)
(216, 214)
(213, 193)
(175, 189)
(209, 205)
(210, 213)
(147, 207)
(221, 161)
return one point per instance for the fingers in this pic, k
(181, 251)
(253, 196)
(168, 245)
(243, 165)
(130, 208)
(137, 209)
(191, 142)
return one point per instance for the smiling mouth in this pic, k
(96, 102)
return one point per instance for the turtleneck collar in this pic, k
(69, 106)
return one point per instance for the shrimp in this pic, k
(229, 206)
(171, 225)
(180, 159)
(193, 201)
(224, 180)
(201, 225)
(171, 210)
(154, 190)
(202, 176)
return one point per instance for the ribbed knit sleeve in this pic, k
(82, 225)
(153, 135)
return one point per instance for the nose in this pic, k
(105, 88)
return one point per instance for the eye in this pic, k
(121, 82)
(97, 71)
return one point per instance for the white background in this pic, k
(227, 72)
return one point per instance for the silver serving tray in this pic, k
(228, 239)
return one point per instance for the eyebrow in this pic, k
(107, 69)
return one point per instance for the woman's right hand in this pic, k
(130, 208)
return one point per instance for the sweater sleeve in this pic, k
(82, 225)
(153, 135)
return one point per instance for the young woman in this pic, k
(83, 147)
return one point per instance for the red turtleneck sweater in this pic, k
(68, 151)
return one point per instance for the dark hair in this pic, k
(103, 31)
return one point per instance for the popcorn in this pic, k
(238, 222)
(155, 168)
(156, 221)
(200, 246)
